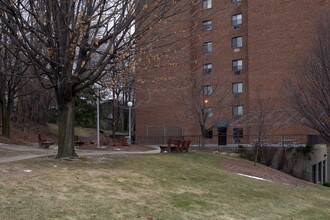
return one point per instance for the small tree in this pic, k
(260, 128)
(120, 80)
(204, 102)
(309, 89)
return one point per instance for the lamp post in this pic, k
(98, 117)
(129, 104)
(98, 87)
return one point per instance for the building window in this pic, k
(237, 66)
(208, 133)
(207, 90)
(238, 110)
(236, 21)
(237, 133)
(207, 4)
(207, 47)
(324, 165)
(237, 42)
(207, 25)
(314, 180)
(208, 111)
(237, 88)
(236, 2)
(207, 68)
(319, 176)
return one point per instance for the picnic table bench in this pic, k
(44, 143)
(77, 141)
(185, 146)
(176, 146)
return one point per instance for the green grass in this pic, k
(162, 186)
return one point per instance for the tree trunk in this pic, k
(203, 141)
(5, 113)
(202, 127)
(66, 128)
(257, 146)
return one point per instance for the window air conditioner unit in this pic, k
(237, 26)
(236, 72)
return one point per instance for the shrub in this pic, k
(327, 184)
(245, 153)
(305, 150)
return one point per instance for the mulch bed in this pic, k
(24, 135)
(14, 139)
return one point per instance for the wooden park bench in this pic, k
(77, 141)
(185, 146)
(172, 146)
(120, 143)
(44, 143)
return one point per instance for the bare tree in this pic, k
(120, 81)
(34, 105)
(204, 102)
(260, 128)
(12, 78)
(72, 43)
(309, 89)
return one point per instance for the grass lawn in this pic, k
(162, 186)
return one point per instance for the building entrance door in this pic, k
(222, 136)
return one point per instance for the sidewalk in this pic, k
(24, 152)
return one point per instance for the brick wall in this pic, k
(276, 35)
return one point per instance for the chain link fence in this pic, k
(160, 135)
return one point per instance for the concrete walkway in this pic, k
(33, 151)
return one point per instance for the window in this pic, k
(237, 66)
(319, 176)
(207, 47)
(237, 133)
(208, 112)
(236, 20)
(236, 2)
(207, 25)
(238, 110)
(208, 133)
(207, 90)
(207, 68)
(207, 4)
(237, 88)
(324, 165)
(237, 42)
(314, 180)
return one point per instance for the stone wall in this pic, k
(297, 161)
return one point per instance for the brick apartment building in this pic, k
(231, 58)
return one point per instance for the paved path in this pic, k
(33, 151)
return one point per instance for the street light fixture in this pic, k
(129, 104)
(98, 87)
